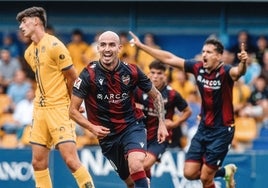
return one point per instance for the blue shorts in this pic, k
(156, 149)
(117, 147)
(210, 145)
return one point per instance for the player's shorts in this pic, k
(156, 149)
(117, 147)
(210, 145)
(52, 126)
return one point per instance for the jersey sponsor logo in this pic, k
(112, 97)
(212, 84)
(77, 83)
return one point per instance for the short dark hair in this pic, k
(216, 43)
(78, 32)
(33, 12)
(157, 65)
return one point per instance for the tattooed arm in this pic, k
(159, 106)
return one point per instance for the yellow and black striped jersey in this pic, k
(47, 59)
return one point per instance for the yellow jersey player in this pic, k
(55, 75)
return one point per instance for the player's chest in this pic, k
(113, 82)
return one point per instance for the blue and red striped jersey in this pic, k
(109, 95)
(216, 93)
(172, 100)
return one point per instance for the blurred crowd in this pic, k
(250, 99)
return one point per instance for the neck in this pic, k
(37, 36)
(110, 66)
(214, 68)
(160, 87)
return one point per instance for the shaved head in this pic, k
(111, 35)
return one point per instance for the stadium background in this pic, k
(180, 27)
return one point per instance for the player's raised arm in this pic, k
(238, 71)
(162, 55)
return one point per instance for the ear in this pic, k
(120, 46)
(219, 57)
(36, 20)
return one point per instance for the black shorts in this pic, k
(210, 145)
(156, 149)
(116, 148)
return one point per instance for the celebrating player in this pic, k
(107, 87)
(215, 81)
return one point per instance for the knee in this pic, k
(206, 180)
(39, 164)
(146, 166)
(72, 164)
(191, 175)
(135, 167)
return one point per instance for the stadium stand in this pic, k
(179, 27)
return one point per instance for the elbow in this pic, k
(71, 113)
(190, 113)
(238, 76)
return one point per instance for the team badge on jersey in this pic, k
(77, 83)
(62, 56)
(125, 79)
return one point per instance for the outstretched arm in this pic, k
(238, 71)
(162, 55)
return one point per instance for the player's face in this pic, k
(210, 57)
(108, 48)
(158, 77)
(27, 26)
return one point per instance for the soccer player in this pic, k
(214, 136)
(173, 101)
(107, 87)
(55, 75)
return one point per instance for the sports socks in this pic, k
(140, 179)
(42, 179)
(83, 178)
